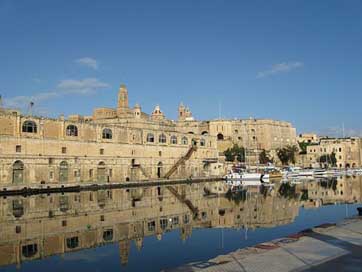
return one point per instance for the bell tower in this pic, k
(123, 97)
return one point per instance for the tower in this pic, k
(181, 112)
(123, 111)
(137, 111)
(123, 97)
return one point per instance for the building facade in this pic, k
(112, 145)
(254, 135)
(347, 151)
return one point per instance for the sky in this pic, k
(293, 60)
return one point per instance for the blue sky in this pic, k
(293, 60)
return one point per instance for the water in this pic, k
(69, 232)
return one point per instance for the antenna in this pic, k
(343, 130)
(219, 110)
(30, 109)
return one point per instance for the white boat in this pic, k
(233, 176)
(250, 176)
(320, 173)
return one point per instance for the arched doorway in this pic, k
(159, 170)
(101, 172)
(18, 172)
(220, 137)
(63, 171)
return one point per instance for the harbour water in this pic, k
(161, 227)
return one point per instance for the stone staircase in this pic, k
(181, 161)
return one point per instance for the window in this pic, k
(184, 141)
(163, 223)
(18, 172)
(108, 235)
(72, 130)
(202, 142)
(110, 173)
(220, 137)
(160, 153)
(18, 149)
(150, 138)
(29, 250)
(175, 220)
(186, 218)
(151, 226)
(162, 138)
(173, 139)
(64, 150)
(101, 151)
(29, 127)
(72, 242)
(90, 173)
(107, 133)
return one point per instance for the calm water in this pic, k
(155, 228)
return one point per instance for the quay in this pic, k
(328, 247)
(62, 188)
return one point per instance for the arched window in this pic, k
(162, 138)
(173, 139)
(72, 130)
(204, 133)
(220, 137)
(159, 169)
(18, 172)
(29, 251)
(202, 142)
(63, 171)
(29, 127)
(184, 141)
(107, 133)
(150, 138)
(101, 172)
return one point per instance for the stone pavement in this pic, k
(329, 247)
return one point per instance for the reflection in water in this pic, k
(40, 226)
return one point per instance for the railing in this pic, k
(180, 161)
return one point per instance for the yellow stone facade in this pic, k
(113, 145)
(348, 152)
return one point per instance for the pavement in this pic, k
(328, 247)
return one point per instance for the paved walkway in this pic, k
(323, 248)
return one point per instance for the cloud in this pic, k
(88, 62)
(85, 86)
(278, 68)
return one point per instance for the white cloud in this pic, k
(65, 87)
(278, 68)
(88, 62)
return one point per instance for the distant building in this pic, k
(112, 145)
(310, 138)
(347, 151)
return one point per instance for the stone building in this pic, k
(254, 135)
(310, 138)
(112, 145)
(348, 152)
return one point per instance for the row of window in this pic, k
(325, 150)
(72, 130)
(173, 139)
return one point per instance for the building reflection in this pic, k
(39, 226)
